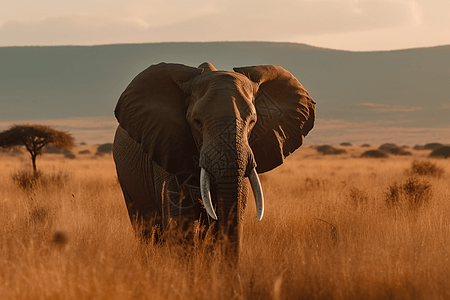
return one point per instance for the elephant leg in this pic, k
(180, 202)
(135, 173)
(145, 225)
(155, 198)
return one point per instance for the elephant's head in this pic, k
(224, 125)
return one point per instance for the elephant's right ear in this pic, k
(286, 113)
(152, 111)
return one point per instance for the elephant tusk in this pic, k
(257, 192)
(205, 191)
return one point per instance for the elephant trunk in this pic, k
(231, 195)
(205, 188)
(231, 201)
(226, 159)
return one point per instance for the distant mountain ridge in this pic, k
(403, 88)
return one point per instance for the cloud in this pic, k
(261, 20)
(68, 30)
(330, 16)
(387, 108)
(158, 21)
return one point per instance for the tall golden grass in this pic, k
(327, 233)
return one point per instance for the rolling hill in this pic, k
(361, 96)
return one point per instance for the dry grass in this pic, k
(412, 193)
(425, 168)
(327, 234)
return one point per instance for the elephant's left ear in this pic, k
(152, 111)
(286, 113)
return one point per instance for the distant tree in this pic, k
(328, 149)
(104, 148)
(34, 138)
(86, 151)
(433, 146)
(394, 149)
(419, 147)
(52, 149)
(375, 154)
(390, 147)
(443, 151)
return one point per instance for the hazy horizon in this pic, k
(205, 42)
(99, 130)
(77, 88)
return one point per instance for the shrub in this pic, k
(105, 148)
(58, 179)
(25, 179)
(52, 149)
(69, 154)
(443, 151)
(432, 146)
(375, 154)
(405, 153)
(314, 184)
(39, 214)
(357, 196)
(11, 151)
(388, 146)
(339, 151)
(28, 180)
(413, 193)
(394, 149)
(365, 145)
(86, 151)
(419, 147)
(346, 144)
(60, 238)
(330, 150)
(325, 149)
(425, 168)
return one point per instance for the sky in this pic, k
(355, 25)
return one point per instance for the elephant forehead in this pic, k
(229, 81)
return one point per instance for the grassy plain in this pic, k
(327, 233)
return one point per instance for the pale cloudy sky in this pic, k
(358, 25)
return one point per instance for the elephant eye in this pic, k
(198, 124)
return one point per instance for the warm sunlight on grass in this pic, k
(331, 231)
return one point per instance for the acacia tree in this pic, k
(34, 138)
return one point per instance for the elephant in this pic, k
(188, 138)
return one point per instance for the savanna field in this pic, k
(335, 227)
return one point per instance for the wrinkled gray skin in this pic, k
(176, 120)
